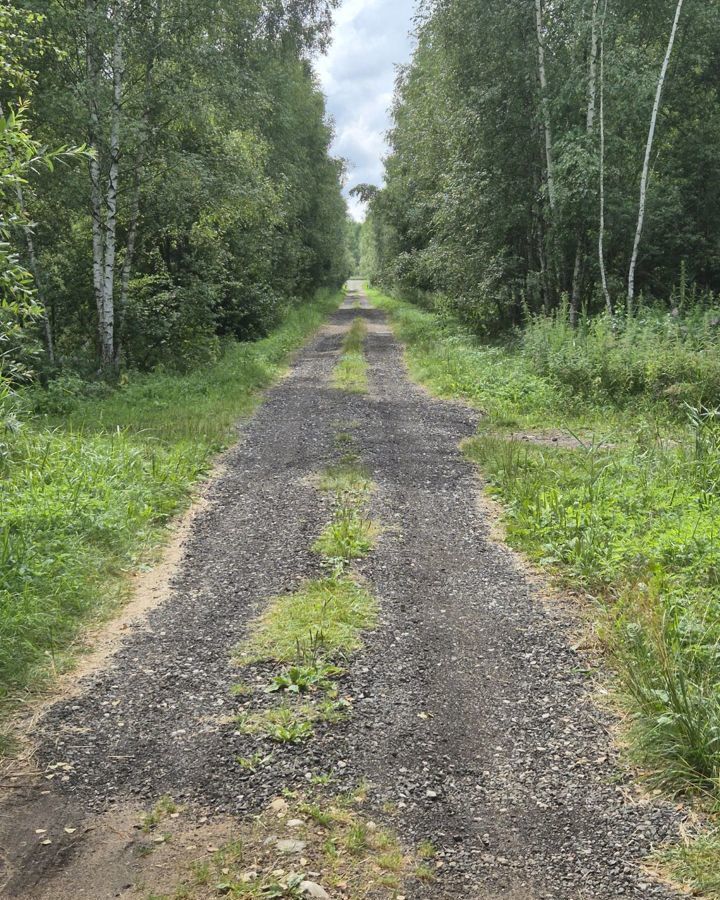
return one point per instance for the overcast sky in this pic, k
(369, 39)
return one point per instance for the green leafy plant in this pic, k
(301, 679)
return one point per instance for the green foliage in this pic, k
(85, 495)
(230, 206)
(694, 863)
(467, 212)
(657, 355)
(301, 679)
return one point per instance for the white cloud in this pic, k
(370, 38)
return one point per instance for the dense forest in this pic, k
(545, 151)
(166, 179)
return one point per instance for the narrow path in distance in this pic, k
(472, 723)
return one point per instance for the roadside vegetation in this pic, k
(603, 445)
(157, 265)
(92, 475)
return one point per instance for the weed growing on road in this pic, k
(325, 616)
(350, 373)
(163, 809)
(355, 856)
(349, 535)
(303, 679)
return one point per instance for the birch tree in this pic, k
(589, 128)
(601, 229)
(105, 158)
(545, 104)
(648, 153)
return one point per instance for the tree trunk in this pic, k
(601, 235)
(590, 127)
(111, 199)
(545, 104)
(137, 182)
(128, 261)
(98, 243)
(648, 154)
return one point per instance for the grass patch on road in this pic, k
(350, 534)
(90, 480)
(325, 617)
(350, 373)
(628, 509)
(333, 844)
(317, 626)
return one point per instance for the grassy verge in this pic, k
(627, 507)
(89, 483)
(351, 371)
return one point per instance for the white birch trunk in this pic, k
(128, 261)
(93, 78)
(601, 231)
(648, 154)
(111, 199)
(590, 127)
(545, 104)
(592, 73)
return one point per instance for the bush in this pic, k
(249, 311)
(657, 356)
(169, 326)
(61, 395)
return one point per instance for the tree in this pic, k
(210, 201)
(648, 153)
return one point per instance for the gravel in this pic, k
(471, 714)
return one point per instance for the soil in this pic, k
(473, 721)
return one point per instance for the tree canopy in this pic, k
(208, 198)
(503, 124)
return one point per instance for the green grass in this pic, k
(350, 373)
(694, 863)
(348, 536)
(88, 486)
(630, 512)
(453, 364)
(324, 618)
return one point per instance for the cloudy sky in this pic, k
(370, 38)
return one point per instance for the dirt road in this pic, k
(472, 724)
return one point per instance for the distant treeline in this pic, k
(544, 148)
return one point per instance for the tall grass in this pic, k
(88, 483)
(667, 357)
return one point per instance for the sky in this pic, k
(370, 38)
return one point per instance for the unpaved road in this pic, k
(472, 715)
